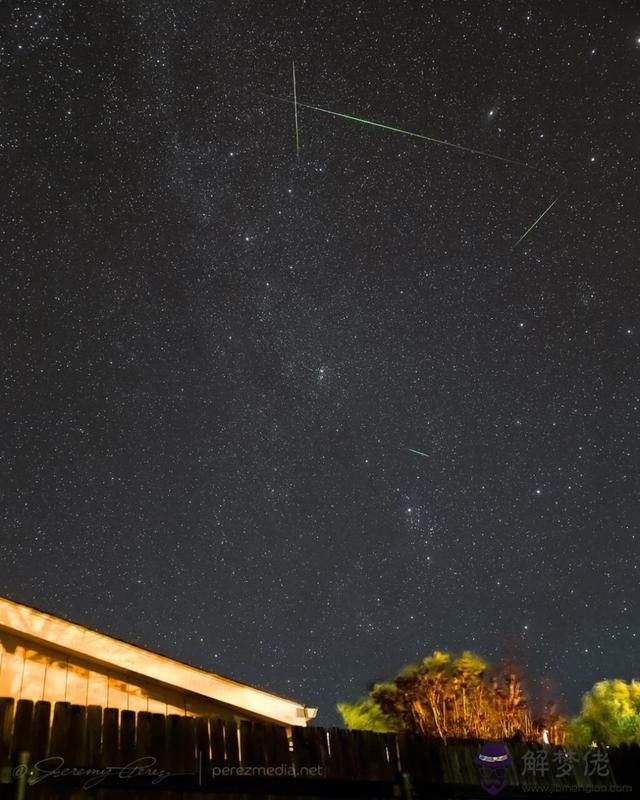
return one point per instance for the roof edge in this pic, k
(102, 648)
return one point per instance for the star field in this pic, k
(216, 354)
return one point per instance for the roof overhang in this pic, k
(101, 649)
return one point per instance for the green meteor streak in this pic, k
(528, 231)
(295, 109)
(417, 452)
(410, 133)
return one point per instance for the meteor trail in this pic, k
(417, 452)
(401, 130)
(295, 109)
(528, 231)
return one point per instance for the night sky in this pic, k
(216, 354)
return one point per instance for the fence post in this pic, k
(6, 725)
(22, 771)
(407, 786)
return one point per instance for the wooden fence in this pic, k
(71, 749)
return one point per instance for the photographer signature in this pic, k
(53, 768)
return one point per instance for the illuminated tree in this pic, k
(610, 714)
(448, 696)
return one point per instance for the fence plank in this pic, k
(231, 743)
(174, 751)
(432, 761)
(339, 762)
(187, 734)
(469, 770)
(110, 754)
(143, 735)
(375, 757)
(60, 730)
(6, 723)
(245, 744)
(41, 728)
(159, 740)
(203, 749)
(307, 749)
(391, 745)
(253, 744)
(260, 734)
(410, 755)
(216, 734)
(127, 736)
(173, 743)
(77, 735)
(22, 726)
(322, 747)
(94, 735)
(632, 765)
(358, 754)
(299, 753)
(278, 747)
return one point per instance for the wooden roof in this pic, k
(106, 650)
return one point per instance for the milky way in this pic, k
(217, 354)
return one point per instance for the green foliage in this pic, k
(610, 714)
(471, 665)
(366, 715)
(437, 664)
